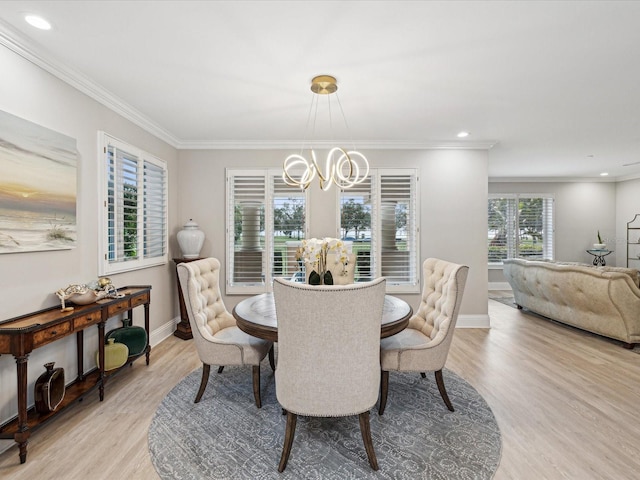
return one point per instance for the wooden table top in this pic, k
(257, 316)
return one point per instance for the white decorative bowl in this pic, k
(599, 246)
(87, 297)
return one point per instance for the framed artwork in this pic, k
(38, 170)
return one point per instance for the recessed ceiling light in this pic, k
(38, 22)
(604, 174)
(463, 134)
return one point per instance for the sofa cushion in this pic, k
(632, 272)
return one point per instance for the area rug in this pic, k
(226, 437)
(509, 301)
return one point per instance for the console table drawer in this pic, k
(50, 334)
(117, 308)
(139, 300)
(89, 319)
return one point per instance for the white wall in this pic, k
(453, 222)
(28, 280)
(581, 209)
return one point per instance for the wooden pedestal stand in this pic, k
(183, 329)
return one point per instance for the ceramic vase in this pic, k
(115, 355)
(49, 389)
(135, 338)
(190, 239)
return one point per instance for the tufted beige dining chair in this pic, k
(424, 344)
(328, 353)
(217, 338)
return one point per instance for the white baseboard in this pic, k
(163, 332)
(473, 321)
(499, 286)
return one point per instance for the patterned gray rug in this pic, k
(508, 301)
(226, 437)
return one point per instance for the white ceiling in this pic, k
(552, 85)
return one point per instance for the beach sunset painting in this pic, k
(38, 170)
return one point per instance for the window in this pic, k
(380, 217)
(520, 226)
(266, 222)
(133, 226)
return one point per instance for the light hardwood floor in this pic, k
(566, 403)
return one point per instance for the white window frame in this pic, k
(413, 236)
(266, 285)
(548, 241)
(107, 266)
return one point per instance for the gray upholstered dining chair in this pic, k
(328, 353)
(424, 345)
(217, 338)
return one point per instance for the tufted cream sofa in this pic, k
(602, 300)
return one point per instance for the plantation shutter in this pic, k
(356, 220)
(246, 231)
(287, 228)
(398, 229)
(535, 231)
(548, 229)
(520, 226)
(380, 216)
(501, 232)
(155, 210)
(122, 205)
(133, 218)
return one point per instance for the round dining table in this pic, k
(257, 316)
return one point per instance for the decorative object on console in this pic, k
(190, 239)
(78, 294)
(314, 253)
(84, 294)
(49, 389)
(115, 355)
(135, 338)
(342, 167)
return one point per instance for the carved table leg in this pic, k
(22, 435)
(80, 354)
(102, 378)
(146, 327)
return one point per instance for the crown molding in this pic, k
(361, 145)
(624, 178)
(20, 45)
(597, 179)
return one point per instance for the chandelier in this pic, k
(345, 168)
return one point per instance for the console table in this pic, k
(19, 336)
